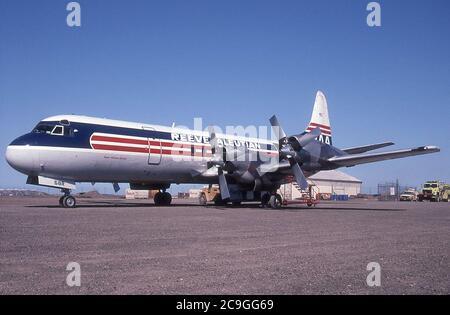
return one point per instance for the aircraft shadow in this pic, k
(303, 208)
(291, 208)
(106, 204)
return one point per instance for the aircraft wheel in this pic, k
(61, 201)
(158, 199)
(275, 201)
(236, 203)
(162, 199)
(166, 198)
(202, 200)
(265, 200)
(220, 202)
(69, 202)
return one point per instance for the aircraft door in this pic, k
(154, 148)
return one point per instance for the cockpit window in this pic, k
(58, 130)
(55, 129)
(43, 128)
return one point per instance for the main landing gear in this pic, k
(162, 198)
(67, 201)
(273, 200)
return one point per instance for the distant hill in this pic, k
(22, 193)
(96, 194)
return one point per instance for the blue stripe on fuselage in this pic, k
(81, 139)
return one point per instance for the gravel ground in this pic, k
(128, 247)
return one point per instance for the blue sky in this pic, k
(236, 62)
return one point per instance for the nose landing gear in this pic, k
(67, 201)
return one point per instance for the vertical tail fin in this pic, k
(320, 118)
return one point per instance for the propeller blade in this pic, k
(307, 138)
(299, 176)
(224, 191)
(276, 127)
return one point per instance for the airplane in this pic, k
(68, 149)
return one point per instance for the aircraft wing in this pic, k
(355, 159)
(365, 148)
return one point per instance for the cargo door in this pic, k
(154, 146)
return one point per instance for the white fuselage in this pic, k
(101, 150)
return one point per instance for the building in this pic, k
(194, 193)
(326, 183)
(336, 183)
(140, 194)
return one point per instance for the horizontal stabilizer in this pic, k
(365, 148)
(355, 159)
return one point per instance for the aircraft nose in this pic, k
(21, 159)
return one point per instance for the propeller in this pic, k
(290, 147)
(218, 160)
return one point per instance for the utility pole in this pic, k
(397, 193)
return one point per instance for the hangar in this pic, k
(326, 183)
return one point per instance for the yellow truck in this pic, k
(435, 191)
(210, 194)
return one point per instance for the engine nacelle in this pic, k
(259, 185)
(149, 186)
(248, 180)
(294, 141)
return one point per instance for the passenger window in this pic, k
(58, 130)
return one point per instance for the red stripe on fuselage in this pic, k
(146, 142)
(118, 144)
(141, 150)
(119, 140)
